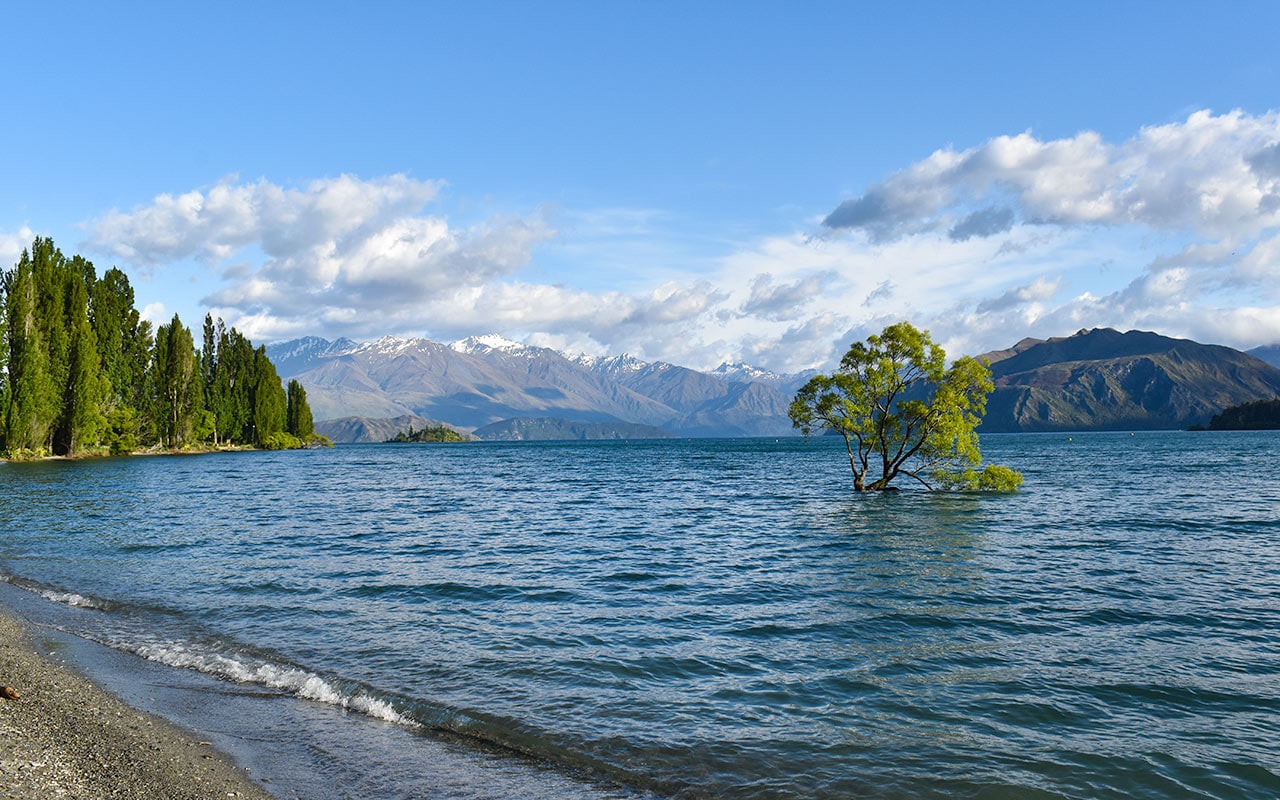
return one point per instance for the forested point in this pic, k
(1261, 415)
(431, 433)
(84, 374)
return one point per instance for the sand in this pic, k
(68, 738)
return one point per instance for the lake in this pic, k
(680, 618)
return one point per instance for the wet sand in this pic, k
(67, 738)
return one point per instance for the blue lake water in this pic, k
(696, 618)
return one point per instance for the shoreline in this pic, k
(145, 452)
(69, 738)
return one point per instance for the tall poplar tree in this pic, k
(50, 272)
(4, 357)
(232, 383)
(175, 383)
(33, 395)
(124, 338)
(298, 420)
(270, 404)
(82, 420)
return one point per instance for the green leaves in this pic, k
(900, 409)
(81, 373)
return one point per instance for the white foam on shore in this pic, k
(73, 599)
(70, 599)
(292, 680)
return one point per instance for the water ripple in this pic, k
(716, 618)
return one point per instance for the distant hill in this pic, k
(546, 428)
(1000, 355)
(1269, 353)
(1103, 379)
(364, 429)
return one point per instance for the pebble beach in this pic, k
(65, 737)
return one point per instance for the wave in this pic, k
(247, 669)
(59, 596)
(237, 667)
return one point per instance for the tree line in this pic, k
(1260, 415)
(429, 434)
(84, 374)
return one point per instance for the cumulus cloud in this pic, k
(341, 255)
(12, 245)
(1175, 229)
(986, 222)
(883, 291)
(215, 224)
(785, 301)
(1180, 220)
(1039, 290)
(1211, 173)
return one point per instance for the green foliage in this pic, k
(901, 411)
(431, 433)
(298, 420)
(82, 422)
(124, 338)
(279, 440)
(123, 431)
(268, 400)
(33, 394)
(175, 384)
(992, 478)
(1261, 415)
(82, 372)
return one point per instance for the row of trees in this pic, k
(84, 373)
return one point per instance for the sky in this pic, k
(696, 183)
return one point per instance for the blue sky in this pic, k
(694, 182)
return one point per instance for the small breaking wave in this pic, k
(73, 599)
(55, 595)
(288, 679)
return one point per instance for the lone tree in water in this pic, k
(902, 411)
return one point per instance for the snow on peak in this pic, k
(390, 345)
(478, 345)
(611, 365)
(739, 372)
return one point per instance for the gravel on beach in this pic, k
(68, 738)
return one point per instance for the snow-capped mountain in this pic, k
(479, 345)
(739, 372)
(485, 379)
(611, 366)
(297, 355)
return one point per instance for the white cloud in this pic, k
(1173, 230)
(786, 301)
(1180, 222)
(1211, 174)
(12, 245)
(215, 224)
(156, 314)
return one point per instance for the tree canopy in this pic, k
(902, 411)
(431, 433)
(80, 371)
(1260, 415)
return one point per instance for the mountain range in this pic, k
(483, 380)
(1095, 379)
